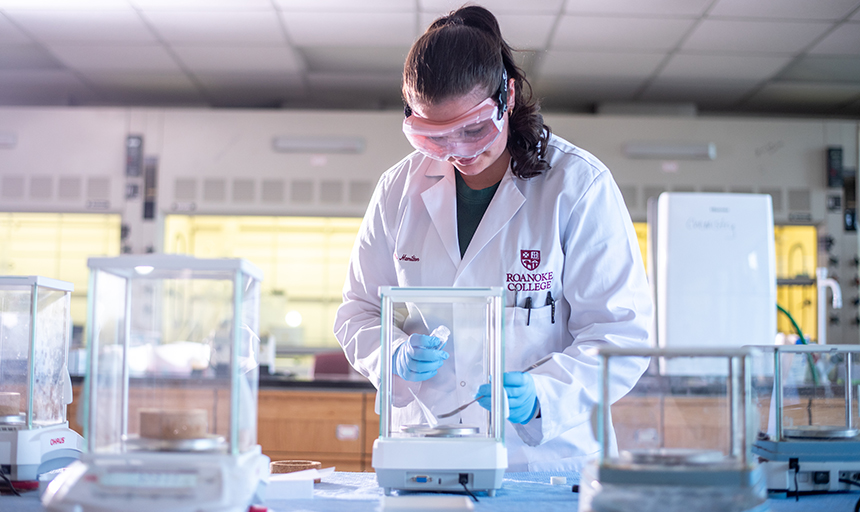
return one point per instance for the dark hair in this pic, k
(464, 50)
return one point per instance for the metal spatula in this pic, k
(467, 404)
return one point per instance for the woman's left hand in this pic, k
(522, 397)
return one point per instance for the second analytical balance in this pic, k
(416, 450)
(171, 389)
(809, 436)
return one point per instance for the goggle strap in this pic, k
(502, 98)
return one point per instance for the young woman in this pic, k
(492, 198)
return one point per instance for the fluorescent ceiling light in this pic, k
(290, 144)
(670, 150)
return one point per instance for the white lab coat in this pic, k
(589, 260)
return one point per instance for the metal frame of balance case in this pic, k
(171, 389)
(465, 452)
(35, 387)
(687, 447)
(809, 439)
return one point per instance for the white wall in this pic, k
(222, 161)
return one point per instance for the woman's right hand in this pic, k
(419, 357)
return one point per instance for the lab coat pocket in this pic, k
(530, 334)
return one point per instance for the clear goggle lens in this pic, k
(467, 136)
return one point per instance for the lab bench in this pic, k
(330, 421)
(333, 421)
(359, 492)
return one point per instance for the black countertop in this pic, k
(270, 381)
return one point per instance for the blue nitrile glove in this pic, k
(522, 397)
(419, 357)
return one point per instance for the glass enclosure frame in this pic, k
(738, 379)
(44, 293)
(492, 297)
(244, 279)
(780, 370)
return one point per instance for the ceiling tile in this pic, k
(710, 94)
(358, 80)
(801, 96)
(854, 108)
(340, 29)
(526, 31)
(606, 33)
(115, 58)
(26, 57)
(342, 6)
(43, 87)
(328, 58)
(679, 8)
(9, 33)
(65, 5)
(119, 26)
(844, 40)
(243, 59)
(199, 28)
(753, 36)
(254, 90)
(356, 90)
(596, 65)
(581, 93)
(262, 80)
(820, 68)
(723, 67)
(784, 9)
(497, 7)
(521, 31)
(139, 80)
(202, 5)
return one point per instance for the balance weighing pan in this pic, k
(200, 444)
(456, 430)
(820, 432)
(672, 456)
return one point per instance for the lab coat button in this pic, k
(462, 383)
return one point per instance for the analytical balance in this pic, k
(808, 438)
(171, 389)
(416, 449)
(35, 387)
(687, 444)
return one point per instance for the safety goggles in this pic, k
(467, 136)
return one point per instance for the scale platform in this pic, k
(811, 459)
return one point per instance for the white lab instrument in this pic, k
(35, 387)
(461, 453)
(714, 274)
(174, 436)
(809, 436)
(688, 445)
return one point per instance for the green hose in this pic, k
(815, 380)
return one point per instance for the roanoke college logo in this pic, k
(530, 259)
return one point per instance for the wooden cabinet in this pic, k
(332, 427)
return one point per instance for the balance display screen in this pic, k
(152, 480)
